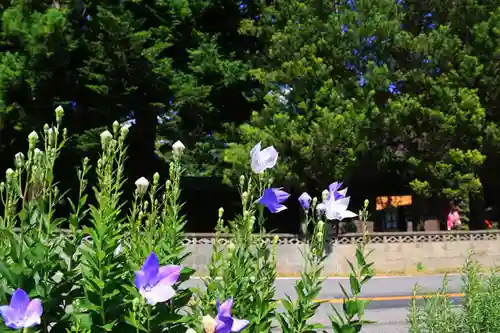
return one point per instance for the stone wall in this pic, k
(393, 252)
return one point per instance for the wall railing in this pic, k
(374, 237)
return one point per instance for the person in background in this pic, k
(454, 218)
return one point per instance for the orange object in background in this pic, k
(395, 201)
(488, 224)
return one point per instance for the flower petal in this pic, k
(334, 186)
(20, 301)
(267, 197)
(10, 316)
(209, 324)
(160, 293)
(151, 267)
(335, 208)
(343, 192)
(140, 279)
(268, 157)
(255, 150)
(280, 195)
(225, 308)
(169, 274)
(239, 324)
(277, 208)
(224, 324)
(254, 155)
(348, 214)
(321, 207)
(343, 202)
(33, 313)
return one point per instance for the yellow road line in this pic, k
(388, 298)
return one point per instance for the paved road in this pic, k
(389, 307)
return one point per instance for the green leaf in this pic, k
(348, 329)
(351, 308)
(109, 326)
(366, 269)
(360, 258)
(355, 286)
(336, 327)
(86, 304)
(7, 274)
(23, 215)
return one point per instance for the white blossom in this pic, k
(178, 148)
(263, 159)
(142, 185)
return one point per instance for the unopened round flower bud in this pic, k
(242, 180)
(367, 202)
(59, 113)
(136, 302)
(38, 154)
(324, 194)
(51, 136)
(2, 186)
(123, 132)
(112, 144)
(116, 127)
(244, 197)
(86, 161)
(106, 138)
(252, 220)
(178, 148)
(46, 128)
(141, 185)
(19, 160)
(314, 201)
(33, 139)
(65, 133)
(321, 225)
(168, 184)
(9, 175)
(146, 205)
(249, 187)
(156, 178)
(221, 212)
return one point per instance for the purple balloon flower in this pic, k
(272, 199)
(22, 313)
(305, 200)
(224, 321)
(155, 282)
